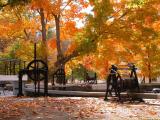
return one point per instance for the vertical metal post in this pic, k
(14, 64)
(35, 49)
(135, 75)
(46, 83)
(10, 67)
(20, 93)
(19, 65)
(5, 67)
(24, 64)
(35, 66)
(38, 79)
(95, 77)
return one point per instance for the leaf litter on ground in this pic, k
(75, 108)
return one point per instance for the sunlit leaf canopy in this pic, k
(111, 32)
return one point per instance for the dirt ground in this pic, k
(76, 108)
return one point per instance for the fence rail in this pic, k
(11, 66)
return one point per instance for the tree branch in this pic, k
(27, 34)
(3, 5)
(66, 59)
(66, 5)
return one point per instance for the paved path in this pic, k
(7, 93)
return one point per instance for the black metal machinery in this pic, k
(117, 84)
(36, 70)
(90, 79)
(59, 76)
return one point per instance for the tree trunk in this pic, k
(149, 65)
(149, 74)
(58, 41)
(44, 43)
(61, 60)
(72, 77)
(144, 79)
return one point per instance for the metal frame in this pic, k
(116, 84)
(36, 74)
(91, 80)
(36, 70)
(60, 77)
(11, 66)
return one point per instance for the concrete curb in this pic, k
(92, 94)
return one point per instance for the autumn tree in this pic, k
(48, 11)
(65, 12)
(145, 41)
(97, 40)
(115, 31)
(19, 25)
(128, 30)
(10, 18)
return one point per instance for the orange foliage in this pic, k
(68, 30)
(148, 20)
(88, 62)
(52, 43)
(156, 25)
(37, 4)
(96, 64)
